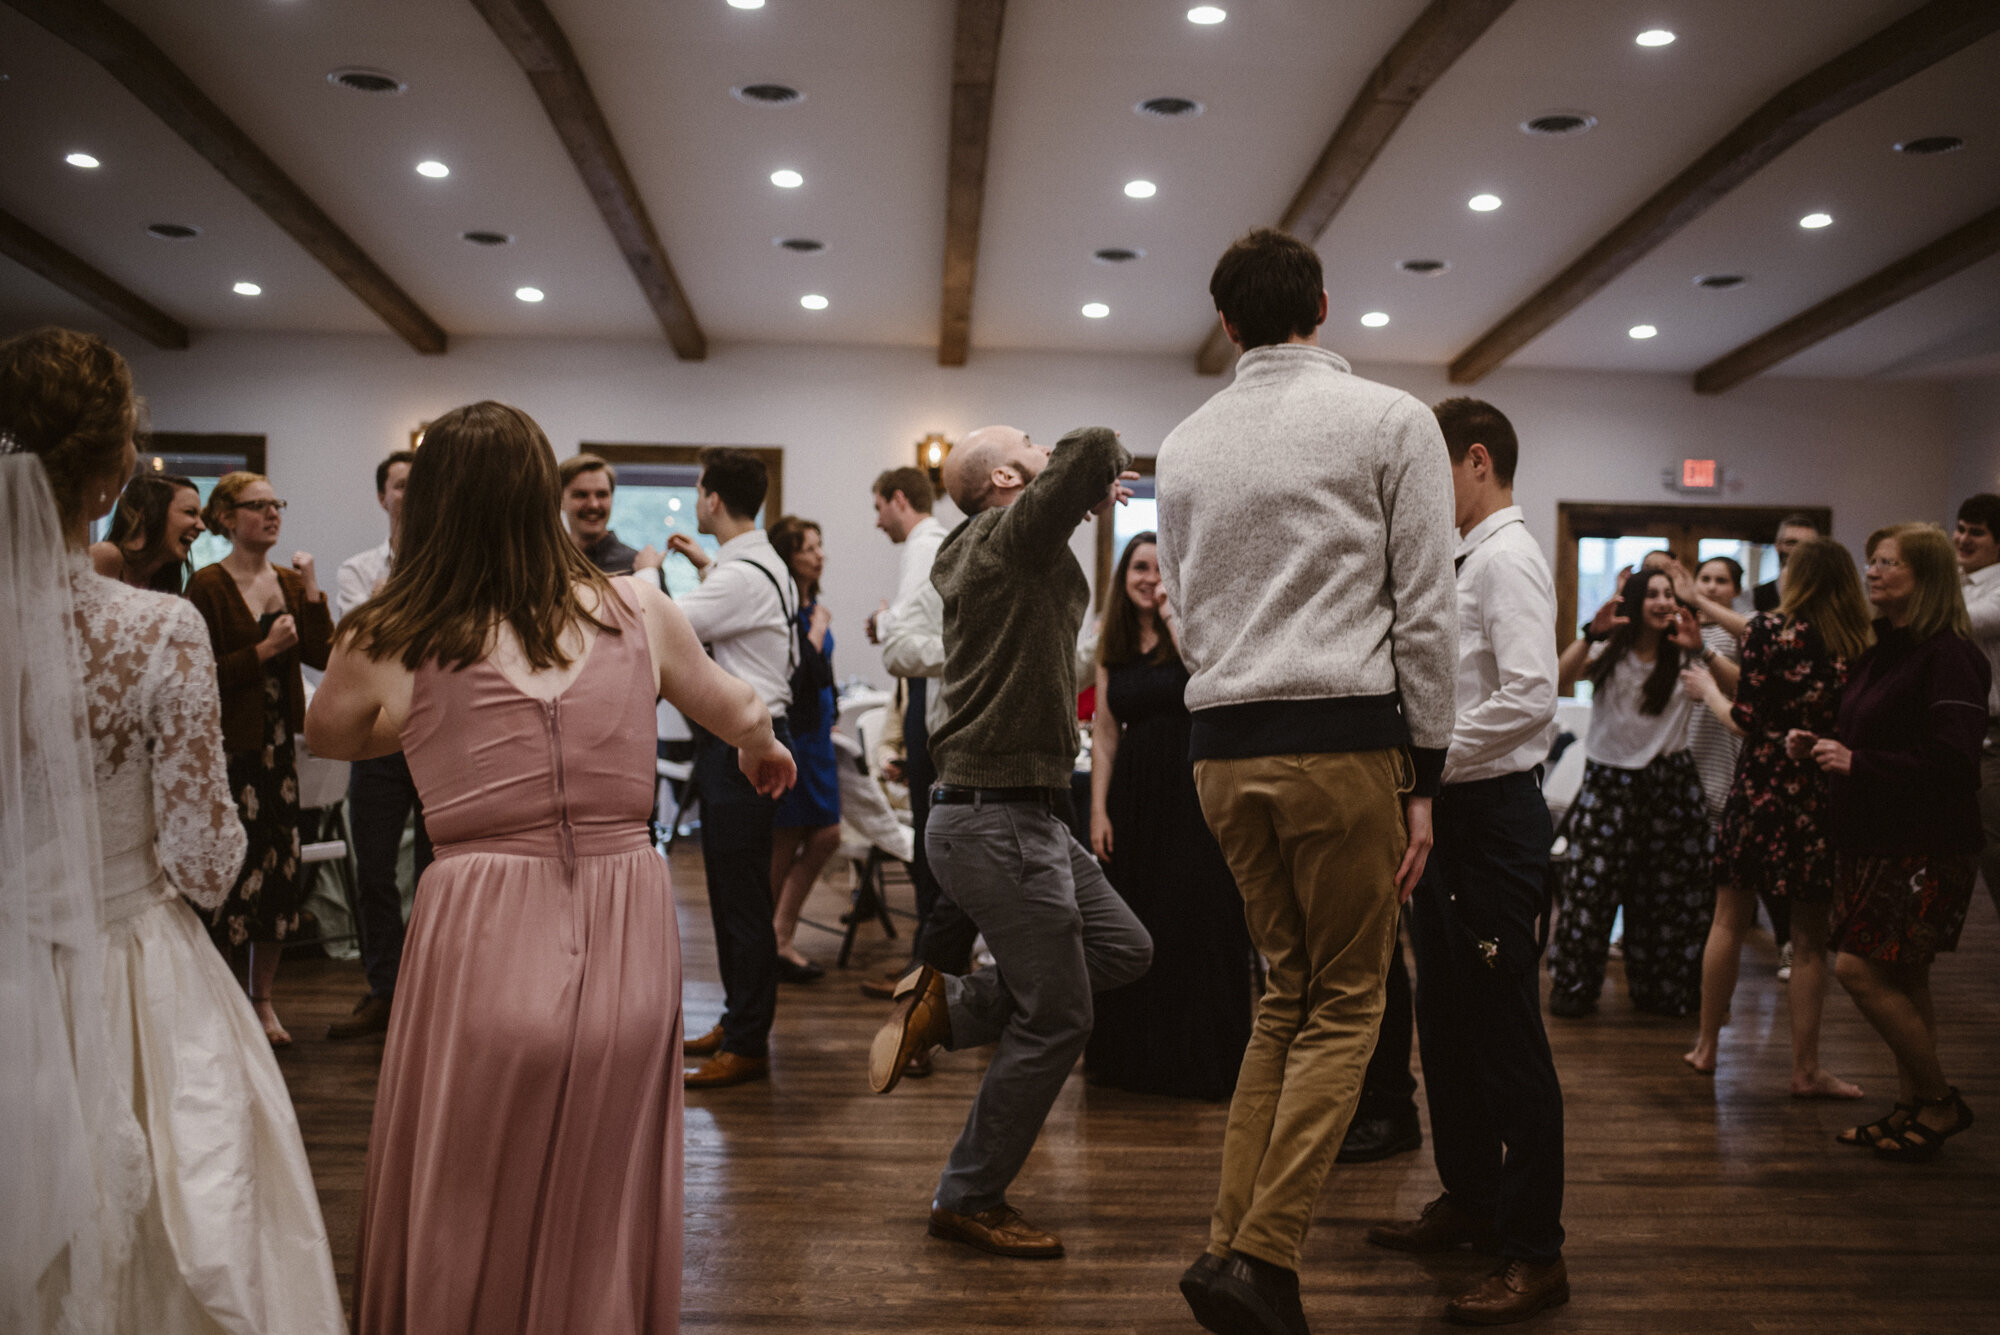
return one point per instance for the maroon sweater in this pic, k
(1914, 714)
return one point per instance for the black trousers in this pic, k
(736, 857)
(944, 935)
(1495, 1101)
(1388, 1087)
(380, 797)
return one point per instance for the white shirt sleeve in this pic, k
(724, 605)
(914, 645)
(354, 585)
(1519, 625)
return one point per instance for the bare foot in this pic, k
(1700, 1059)
(1822, 1084)
(267, 1015)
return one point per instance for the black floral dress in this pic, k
(1773, 835)
(263, 905)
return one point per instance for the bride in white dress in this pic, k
(229, 1236)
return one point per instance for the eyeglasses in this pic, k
(266, 507)
(1886, 563)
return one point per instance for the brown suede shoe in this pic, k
(726, 1068)
(920, 1021)
(883, 988)
(1514, 1292)
(1440, 1228)
(707, 1045)
(1000, 1230)
(371, 1016)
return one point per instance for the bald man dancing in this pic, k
(1014, 600)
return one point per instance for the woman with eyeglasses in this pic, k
(263, 622)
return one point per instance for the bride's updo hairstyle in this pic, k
(482, 543)
(67, 398)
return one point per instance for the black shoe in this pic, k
(1195, 1282)
(808, 972)
(1248, 1296)
(1372, 1138)
(1570, 1007)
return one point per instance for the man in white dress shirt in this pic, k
(1978, 542)
(1495, 1101)
(744, 612)
(381, 795)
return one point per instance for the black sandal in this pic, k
(1885, 1127)
(1916, 1142)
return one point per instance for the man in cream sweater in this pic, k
(1305, 520)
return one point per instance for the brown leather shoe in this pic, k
(1440, 1228)
(920, 1021)
(1000, 1230)
(1514, 1292)
(707, 1045)
(883, 988)
(918, 1066)
(726, 1068)
(370, 1016)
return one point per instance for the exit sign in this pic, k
(1699, 476)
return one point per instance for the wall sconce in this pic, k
(417, 436)
(932, 451)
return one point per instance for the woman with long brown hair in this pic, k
(1182, 1028)
(152, 533)
(524, 1168)
(1773, 841)
(805, 830)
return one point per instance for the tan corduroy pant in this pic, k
(1314, 842)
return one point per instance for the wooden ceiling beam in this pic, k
(975, 59)
(537, 42)
(130, 57)
(93, 287)
(1441, 34)
(1906, 47)
(1960, 249)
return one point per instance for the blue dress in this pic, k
(815, 800)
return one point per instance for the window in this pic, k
(1125, 523)
(202, 458)
(655, 498)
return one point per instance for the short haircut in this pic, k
(1468, 422)
(577, 464)
(1800, 519)
(1982, 509)
(382, 469)
(738, 477)
(222, 500)
(1268, 285)
(914, 483)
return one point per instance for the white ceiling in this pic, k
(870, 138)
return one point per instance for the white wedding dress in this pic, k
(230, 1238)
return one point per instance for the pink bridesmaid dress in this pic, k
(524, 1169)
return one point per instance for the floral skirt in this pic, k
(1901, 910)
(264, 903)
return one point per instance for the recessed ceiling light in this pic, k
(1095, 310)
(1720, 282)
(1483, 203)
(1427, 268)
(1169, 108)
(1375, 319)
(1642, 331)
(1141, 189)
(1814, 221)
(813, 301)
(247, 290)
(746, 4)
(529, 294)
(366, 81)
(1655, 37)
(767, 94)
(83, 160)
(799, 245)
(1118, 254)
(1207, 14)
(1559, 124)
(437, 171)
(172, 231)
(787, 179)
(486, 238)
(1930, 145)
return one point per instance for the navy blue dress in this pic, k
(815, 800)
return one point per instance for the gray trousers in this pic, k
(1058, 933)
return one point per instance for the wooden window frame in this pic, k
(772, 455)
(252, 448)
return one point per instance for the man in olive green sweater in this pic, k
(1014, 600)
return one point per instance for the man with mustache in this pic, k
(588, 484)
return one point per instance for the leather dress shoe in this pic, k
(371, 1016)
(883, 988)
(1000, 1230)
(1251, 1296)
(1195, 1282)
(707, 1045)
(724, 1069)
(1514, 1292)
(918, 1066)
(1374, 1138)
(1440, 1228)
(790, 972)
(920, 1021)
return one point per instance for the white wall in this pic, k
(332, 405)
(1976, 437)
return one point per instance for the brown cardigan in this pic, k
(233, 635)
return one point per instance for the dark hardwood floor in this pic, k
(1694, 1204)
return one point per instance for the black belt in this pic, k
(951, 794)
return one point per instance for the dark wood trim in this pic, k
(252, 448)
(1440, 35)
(90, 285)
(1904, 48)
(130, 57)
(772, 455)
(1105, 556)
(536, 41)
(1960, 249)
(975, 57)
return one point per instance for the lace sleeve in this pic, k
(201, 839)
